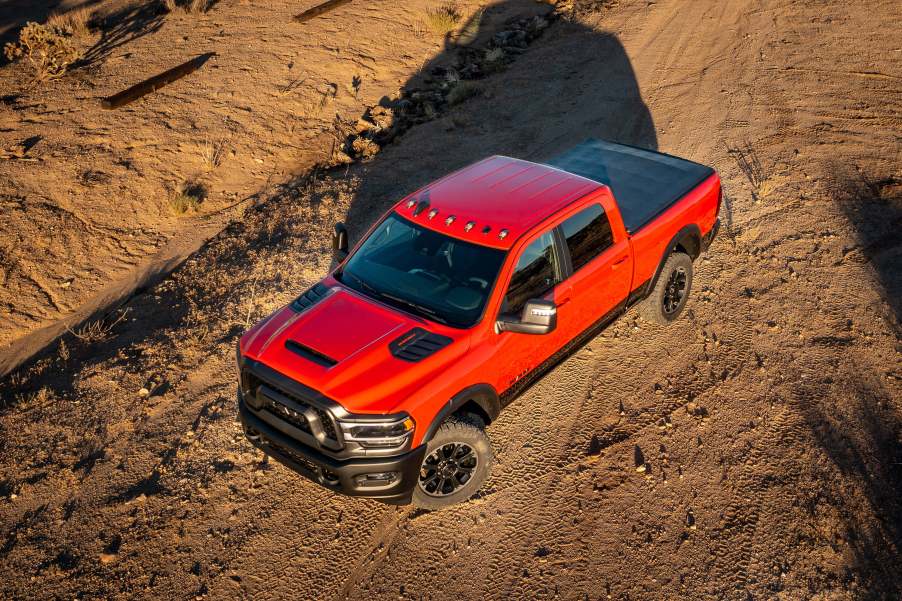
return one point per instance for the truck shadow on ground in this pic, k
(548, 99)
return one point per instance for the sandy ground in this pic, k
(769, 416)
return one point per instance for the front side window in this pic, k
(424, 272)
(588, 234)
(535, 274)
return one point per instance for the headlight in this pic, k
(379, 435)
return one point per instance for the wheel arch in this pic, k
(687, 240)
(481, 399)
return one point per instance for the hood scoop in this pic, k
(310, 354)
(310, 298)
(417, 344)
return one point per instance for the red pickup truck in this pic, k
(379, 381)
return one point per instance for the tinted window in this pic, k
(534, 275)
(424, 272)
(588, 234)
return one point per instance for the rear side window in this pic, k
(535, 274)
(588, 234)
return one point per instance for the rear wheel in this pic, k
(457, 462)
(667, 300)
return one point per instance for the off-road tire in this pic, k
(467, 430)
(676, 276)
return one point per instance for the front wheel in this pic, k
(457, 462)
(668, 298)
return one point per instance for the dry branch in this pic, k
(155, 83)
(319, 10)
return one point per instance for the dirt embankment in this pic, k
(90, 197)
(768, 419)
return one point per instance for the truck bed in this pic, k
(645, 183)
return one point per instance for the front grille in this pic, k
(288, 414)
(251, 383)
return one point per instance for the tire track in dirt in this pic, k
(738, 544)
(684, 387)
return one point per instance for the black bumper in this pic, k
(336, 475)
(709, 237)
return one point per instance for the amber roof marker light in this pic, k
(469, 226)
(502, 234)
(450, 219)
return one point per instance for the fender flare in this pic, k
(690, 237)
(483, 395)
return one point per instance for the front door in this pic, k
(538, 273)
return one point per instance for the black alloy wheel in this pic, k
(447, 469)
(675, 291)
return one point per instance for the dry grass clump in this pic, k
(75, 23)
(95, 331)
(188, 6)
(47, 48)
(444, 18)
(461, 91)
(213, 152)
(187, 199)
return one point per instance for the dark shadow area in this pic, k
(121, 27)
(862, 436)
(872, 203)
(863, 439)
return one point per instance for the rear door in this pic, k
(600, 265)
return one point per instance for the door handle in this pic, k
(563, 297)
(620, 261)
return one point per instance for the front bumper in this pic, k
(336, 475)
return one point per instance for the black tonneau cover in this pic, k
(645, 183)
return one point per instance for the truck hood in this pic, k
(340, 346)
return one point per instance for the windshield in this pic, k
(424, 272)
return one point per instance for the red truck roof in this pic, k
(493, 202)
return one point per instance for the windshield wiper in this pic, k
(414, 307)
(367, 287)
(419, 309)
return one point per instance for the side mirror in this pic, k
(340, 242)
(538, 317)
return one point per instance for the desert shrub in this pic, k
(187, 198)
(47, 48)
(444, 18)
(461, 91)
(96, 331)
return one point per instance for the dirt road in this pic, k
(768, 418)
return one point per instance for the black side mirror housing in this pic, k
(340, 242)
(539, 316)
